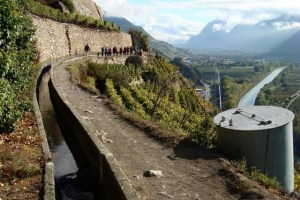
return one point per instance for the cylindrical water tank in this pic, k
(264, 136)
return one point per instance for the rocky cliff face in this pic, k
(84, 7)
(89, 8)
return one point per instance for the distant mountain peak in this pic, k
(260, 37)
(283, 18)
(215, 26)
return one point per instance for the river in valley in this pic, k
(249, 98)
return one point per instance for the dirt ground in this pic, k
(21, 162)
(188, 172)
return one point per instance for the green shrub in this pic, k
(69, 4)
(79, 76)
(70, 17)
(130, 102)
(89, 84)
(139, 39)
(141, 95)
(240, 165)
(205, 132)
(43, 10)
(164, 97)
(108, 26)
(111, 92)
(134, 60)
(17, 62)
(297, 177)
(262, 178)
(9, 112)
(79, 19)
(89, 21)
(99, 24)
(119, 74)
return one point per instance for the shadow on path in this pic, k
(192, 151)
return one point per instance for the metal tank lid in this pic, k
(251, 118)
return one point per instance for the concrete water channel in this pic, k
(83, 167)
(65, 165)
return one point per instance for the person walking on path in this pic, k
(102, 51)
(86, 50)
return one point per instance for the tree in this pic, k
(140, 40)
(261, 99)
(190, 101)
(161, 87)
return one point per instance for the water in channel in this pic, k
(64, 163)
(249, 98)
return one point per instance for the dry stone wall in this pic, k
(96, 39)
(50, 39)
(55, 40)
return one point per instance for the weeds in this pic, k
(240, 165)
(263, 179)
(79, 77)
(19, 167)
(20, 151)
(255, 174)
(297, 177)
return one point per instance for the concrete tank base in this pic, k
(264, 136)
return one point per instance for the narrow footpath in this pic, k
(188, 172)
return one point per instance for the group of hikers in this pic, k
(107, 51)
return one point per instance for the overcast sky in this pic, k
(175, 21)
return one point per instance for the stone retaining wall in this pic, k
(79, 37)
(57, 40)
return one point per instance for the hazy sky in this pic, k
(175, 21)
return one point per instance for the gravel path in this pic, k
(188, 172)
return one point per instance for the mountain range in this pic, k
(276, 37)
(163, 48)
(279, 36)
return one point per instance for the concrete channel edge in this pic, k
(49, 171)
(115, 171)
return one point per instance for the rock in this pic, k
(87, 118)
(88, 111)
(109, 141)
(151, 173)
(72, 176)
(171, 157)
(102, 137)
(137, 177)
(101, 132)
(165, 194)
(224, 162)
